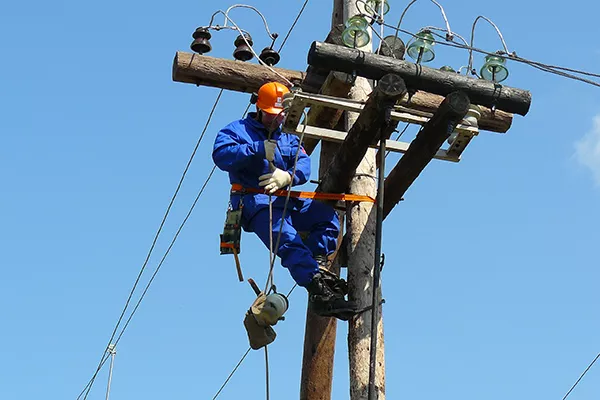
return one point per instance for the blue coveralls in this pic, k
(239, 150)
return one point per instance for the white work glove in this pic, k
(275, 180)
(270, 146)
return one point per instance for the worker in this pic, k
(260, 159)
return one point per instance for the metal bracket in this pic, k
(302, 100)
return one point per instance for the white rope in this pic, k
(287, 198)
(243, 35)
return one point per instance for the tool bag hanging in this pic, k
(231, 237)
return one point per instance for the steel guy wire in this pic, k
(154, 241)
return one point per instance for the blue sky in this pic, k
(491, 264)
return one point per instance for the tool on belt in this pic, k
(231, 236)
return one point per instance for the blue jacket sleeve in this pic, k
(302, 174)
(231, 153)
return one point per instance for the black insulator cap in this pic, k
(242, 52)
(201, 43)
(392, 46)
(270, 56)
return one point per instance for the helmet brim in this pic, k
(272, 110)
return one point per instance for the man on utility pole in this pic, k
(262, 162)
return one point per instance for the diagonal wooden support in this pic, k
(418, 77)
(364, 133)
(423, 148)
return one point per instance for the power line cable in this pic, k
(154, 241)
(293, 25)
(194, 204)
(557, 70)
(398, 137)
(536, 64)
(581, 377)
(267, 371)
(91, 381)
(232, 372)
(166, 253)
(105, 355)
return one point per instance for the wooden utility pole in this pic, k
(360, 224)
(434, 102)
(321, 332)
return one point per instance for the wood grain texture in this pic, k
(419, 77)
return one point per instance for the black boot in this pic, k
(326, 296)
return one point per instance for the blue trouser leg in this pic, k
(322, 223)
(295, 256)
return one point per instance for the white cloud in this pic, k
(587, 150)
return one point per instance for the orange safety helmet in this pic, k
(270, 97)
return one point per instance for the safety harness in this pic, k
(232, 231)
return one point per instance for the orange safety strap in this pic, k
(236, 187)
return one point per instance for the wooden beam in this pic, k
(316, 77)
(498, 121)
(418, 77)
(248, 77)
(338, 137)
(424, 147)
(227, 74)
(365, 132)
